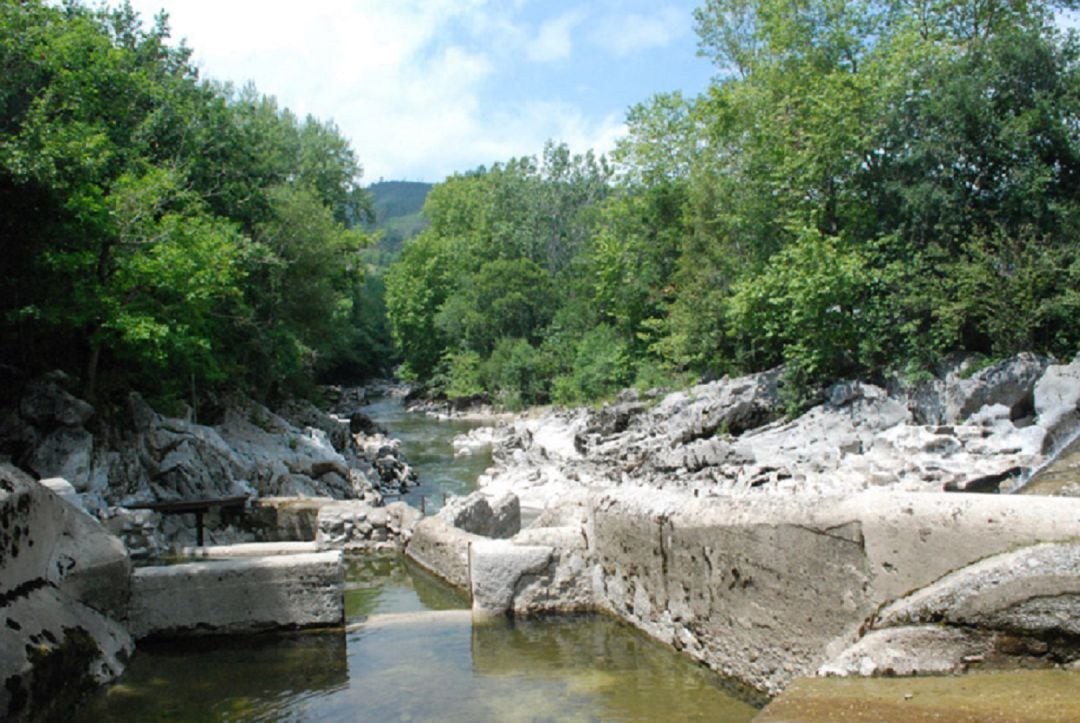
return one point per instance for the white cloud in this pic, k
(553, 41)
(407, 81)
(624, 35)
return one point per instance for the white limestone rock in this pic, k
(1034, 590)
(1057, 403)
(911, 650)
(479, 514)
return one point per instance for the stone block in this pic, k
(497, 567)
(238, 596)
(480, 514)
(443, 549)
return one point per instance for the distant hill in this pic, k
(398, 215)
(398, 198)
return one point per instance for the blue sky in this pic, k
(424, 88)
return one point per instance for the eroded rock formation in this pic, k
(142, 456)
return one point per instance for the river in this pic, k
(426, 443)
(412, 652)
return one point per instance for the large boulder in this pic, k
(45, 404)
(1057, 403)
(64, 583)
(1010, 382)
(497, 517)
(730, 406)
(1035, 590)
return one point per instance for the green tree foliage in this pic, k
(891, 162)
(865, 187)
(160, 231)
(475, 295)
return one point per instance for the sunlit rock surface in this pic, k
(140, 456)
(63, 585)
(980, 432)
(238, 595)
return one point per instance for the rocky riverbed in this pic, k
(856, 539)
(139, 456)
(983, 431)
(852, 540)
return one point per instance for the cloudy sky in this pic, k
(424, 88)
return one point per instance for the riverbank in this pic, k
(848, 541)
(769, 548)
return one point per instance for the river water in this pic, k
(426, 443)
(411, 651)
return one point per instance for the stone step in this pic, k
(240, 595)
(248, 549)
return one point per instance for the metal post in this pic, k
(423, 506)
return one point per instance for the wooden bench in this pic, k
(195, 507)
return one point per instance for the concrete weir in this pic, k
(769, 589)
(238, 595)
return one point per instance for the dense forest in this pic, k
(865, 189)
(165, 233)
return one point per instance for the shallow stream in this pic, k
(427, 445)
(412, 652)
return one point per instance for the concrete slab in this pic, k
(238, 595)
(248, 549)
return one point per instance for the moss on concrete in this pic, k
(1016, 696)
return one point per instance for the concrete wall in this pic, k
(238, 596)
(762, 589)
(443, 549)
(766, 590)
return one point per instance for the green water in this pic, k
(405, 658)
(411, 651)
(426, 442)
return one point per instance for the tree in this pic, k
(188, 235)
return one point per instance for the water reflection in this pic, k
(598, 667)
(264, 677)
(408, 657)
(380, 584)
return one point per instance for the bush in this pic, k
(518, 374)
(459, 375)
(811, 307)
(602, 366)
